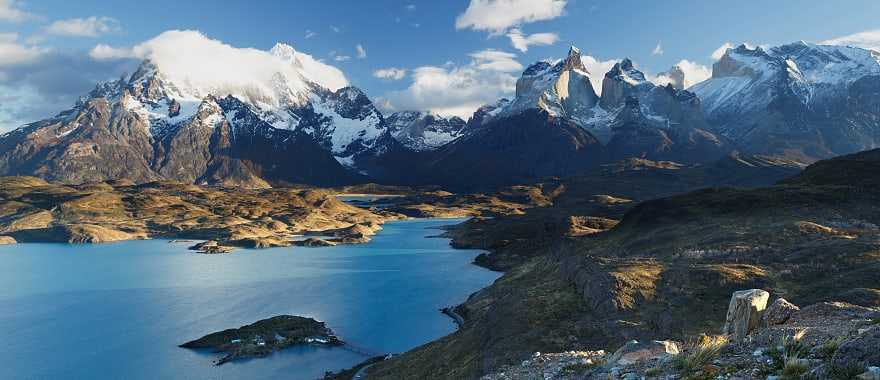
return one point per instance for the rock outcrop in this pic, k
(778, 312)
(634, 351)
(860, 350)
(744, 312)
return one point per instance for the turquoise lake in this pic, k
(119, 310)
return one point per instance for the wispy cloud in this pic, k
(335, 29)
(458, 89)
(391, 73)
(83, 27)
(522, 42)
(10, 10)
(718, 53)
(340, 57)
(658, 50)
(37, 82)
(310, 34)
(597, 69)
(869, 39)
(361, 52)
(187, 56)
(497, 16)
(693, 73)
(14, 53)
(411, 7)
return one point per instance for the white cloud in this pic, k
(522, 42)
(458, 90)
(83, 27)
(335, 29)
(342, 58)
(57, 78)
(597, 69)
(718, 53)
(190, 57)
(361, 52)
(693, 73)
(496, 16)
(10, 11)
(13, 53)
(658, 50)
(310, 34)
(410, 7)
(47, 81)
(103, 52)
(869, 39)
(391, 73)
(495, 60)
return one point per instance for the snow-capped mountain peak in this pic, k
(804, 67)
(621, 82)
(822, 91)
(625, 71)
(561, 88)
(421, 131)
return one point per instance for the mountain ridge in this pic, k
(817, 102)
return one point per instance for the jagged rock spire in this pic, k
(573, 60)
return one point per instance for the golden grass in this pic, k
(702, 352)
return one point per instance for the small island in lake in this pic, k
(265, 337)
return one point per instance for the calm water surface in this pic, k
(119, 310)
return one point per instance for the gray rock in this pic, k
(744, 312)
(779, 312)
(859, 350)
(873, 373)
(635, 351)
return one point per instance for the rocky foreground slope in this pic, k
(664, 270)
(828, 340)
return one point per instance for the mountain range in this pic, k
(798, 101)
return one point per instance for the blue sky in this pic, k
(397, 34)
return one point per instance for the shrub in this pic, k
(703, 351)
(794, 368)
(846, 371)
(830, 347)
(653, 372)
(578, 367)
(792, 349)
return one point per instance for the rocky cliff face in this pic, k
(621, 82)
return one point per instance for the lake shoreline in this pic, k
(230, 297)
